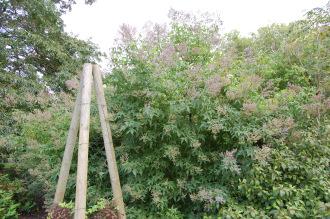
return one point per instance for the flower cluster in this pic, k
(221, 110)
(135, 194)
(229, 162)
(249, 108)
(248, 55)
(210, 197)
(155, 197)
(262, 155)
(216, 83)
(10, 100)
(154, 33)
(172, 152)
(318, 106)
(193, 93)
(182, 49)
(279, 126)
(195, 144)
(294, 88)
(268, 89)
(249, 84)
(167, 56)
(215, 127)
(253, 137)
(127, 33)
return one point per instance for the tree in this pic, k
(36, 54)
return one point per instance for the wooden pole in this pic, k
(81, 184)
(108, 143)
(68, 152)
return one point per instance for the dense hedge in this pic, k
(204, 124)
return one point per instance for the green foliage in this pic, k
(36, 59)
(240, 128)
(36, 56)
(69, 205)
(100, 204)
(8, 207)
(39, 150)
(8, 188)
(204, 124)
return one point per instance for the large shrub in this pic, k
(211, 124)
(204, 124)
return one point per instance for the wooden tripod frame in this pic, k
(81, 113)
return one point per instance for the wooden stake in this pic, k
(81, 185)
(82, 112)
(108, 143)
(68, 152)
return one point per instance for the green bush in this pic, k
(240, 128)
(8, 188)
(40, 146)
(8, 207)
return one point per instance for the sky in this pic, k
(100, 22)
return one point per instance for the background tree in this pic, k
(36, 59)
(36, 54)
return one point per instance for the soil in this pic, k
(41, 215)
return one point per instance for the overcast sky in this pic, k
(100, 22)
